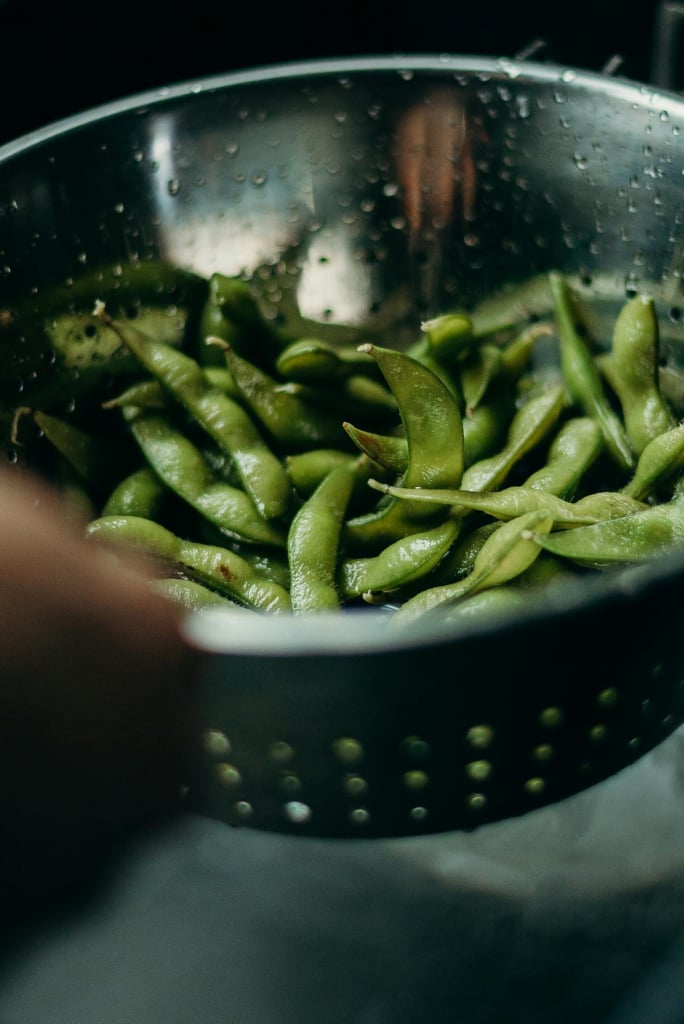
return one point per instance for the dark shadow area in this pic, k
(59, 59)
(40, 902)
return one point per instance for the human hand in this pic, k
(94, 697)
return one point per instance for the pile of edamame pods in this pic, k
(290, 475)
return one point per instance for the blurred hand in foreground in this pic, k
(94, 698)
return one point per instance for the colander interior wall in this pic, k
(371, 192)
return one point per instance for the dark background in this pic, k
(60, 58)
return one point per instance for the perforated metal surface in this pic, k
(447, 733)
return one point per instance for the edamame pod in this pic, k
(661, 459)
(287, 418)
(262, 474)
(96, 459)
(574, 449)
(141, 493)
(192, 596)
(506, 553)
(629, 540)
(530, 425)
(218, 568)
(310, 360)
(635, 355)
(313, 543)
(182, 468)
(405, 561)
(512, 502)
(582, 377)
(434, 433)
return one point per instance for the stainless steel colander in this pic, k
(360, 196)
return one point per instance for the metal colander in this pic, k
(359, 197)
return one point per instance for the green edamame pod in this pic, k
(288, 419)
(634, 363)
(483, 429)
(661, 459)
(483, 604)
(405, 561)
(84, 453)
(583, 377)
(477, 372)
(449, 336)
(141, 493)
(310, 360)
(573, 451)
(512, 502)
(231, 312)
(150, 394)
(192, 596)
(530, 425)
(423, 353)
(218, 568)
(144, 394)
(183, 469)
(434, 432)
(517, 352)
(313, 543)
(97, 460)
(630, 540)
(271, 564)
(308, 469)
(506, 553)
(262, 474)
(460, 558)
(388, 450)
(547, 570)
(358, 395)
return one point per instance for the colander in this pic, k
(359, 197)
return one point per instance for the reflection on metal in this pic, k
(435, 164)
(666, 43)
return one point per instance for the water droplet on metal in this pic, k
(298, 812)
(523, 106)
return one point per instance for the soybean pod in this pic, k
(313, 543)
(634, 360)
(181, 466)
(218, 568)
(505, 554)
(629, 540)
(434, 433)
(512, 502)
(262, 473)
(583, 379)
